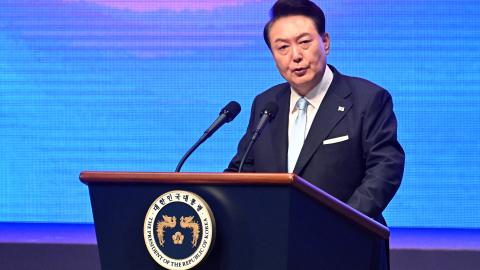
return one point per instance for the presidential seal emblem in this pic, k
(179, 230)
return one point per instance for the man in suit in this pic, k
(335, 131)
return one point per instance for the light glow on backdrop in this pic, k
(130, 85)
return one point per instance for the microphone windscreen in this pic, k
(231, 110)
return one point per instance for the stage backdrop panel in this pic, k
(130, 85)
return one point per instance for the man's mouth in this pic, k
(300, 71)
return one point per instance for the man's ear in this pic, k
(326, 42)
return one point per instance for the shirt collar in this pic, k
(315, 96)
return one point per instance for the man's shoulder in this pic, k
(360, 84)
(274, 92)
(360, 88)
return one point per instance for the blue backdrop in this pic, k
(130, 85)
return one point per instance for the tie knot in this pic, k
(302, 104)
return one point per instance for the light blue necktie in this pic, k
(298, 134)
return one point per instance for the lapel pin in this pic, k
(341, 108)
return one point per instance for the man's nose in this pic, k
(297, 55)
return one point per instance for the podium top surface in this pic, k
(188, 178)
(90, 177)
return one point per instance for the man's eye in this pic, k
(284, 47)
(305, 41)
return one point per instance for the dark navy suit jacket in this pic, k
(364, 171)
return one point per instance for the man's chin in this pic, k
(302, 80)
(302, 88)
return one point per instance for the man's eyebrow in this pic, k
(296, 38)
(303, 35)
(281, 40)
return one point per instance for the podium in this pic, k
(262, 221)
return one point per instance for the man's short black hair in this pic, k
(284, 8)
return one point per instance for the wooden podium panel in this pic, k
(263, 221)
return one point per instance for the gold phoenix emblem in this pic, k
(189, 223)
(171, 222)
(167, 232)
(167, 222)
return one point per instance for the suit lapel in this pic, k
(278, 126)
(332, 109)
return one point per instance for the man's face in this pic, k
(300, 53)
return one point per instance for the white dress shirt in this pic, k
(314, 99)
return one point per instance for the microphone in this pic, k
(227, 114)
(267, 114)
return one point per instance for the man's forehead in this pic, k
(292, 27)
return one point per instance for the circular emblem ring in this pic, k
(179, 230)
